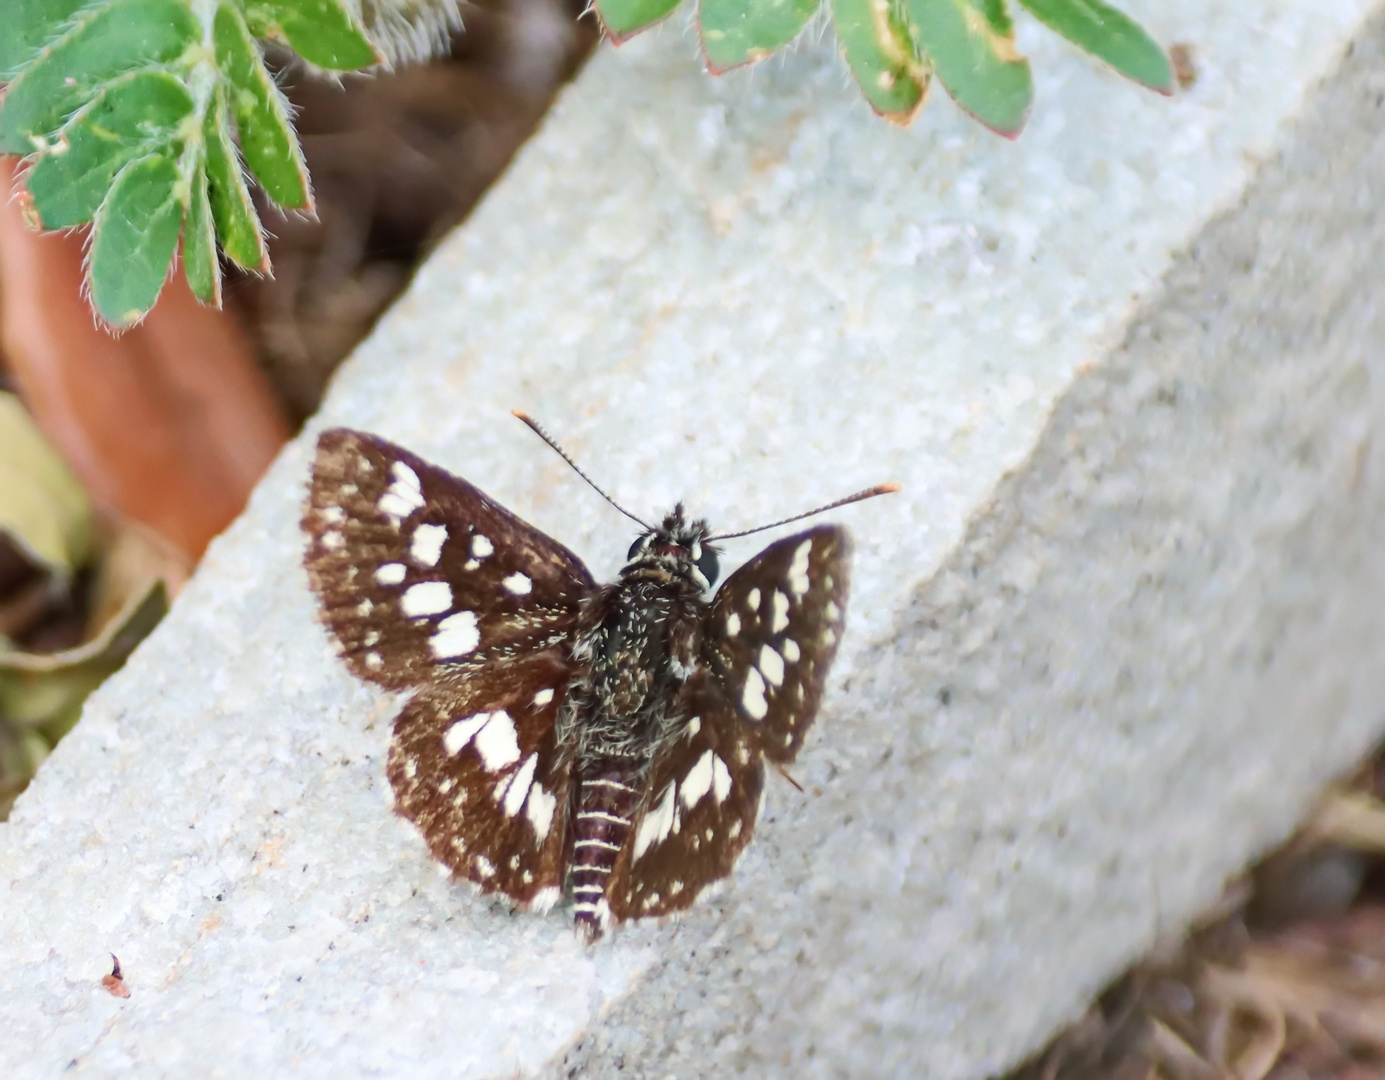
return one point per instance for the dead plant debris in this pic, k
(1286, 981)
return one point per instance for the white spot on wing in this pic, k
(771, 665)
(426, 546)
(753, 695)
(333, 540)
(391, 573)
(694, 726)
(656, 823)
(781, 612)
(373, 661)
(721, 782)
(752, 599)
(790, 649)
(540, 811)
(698, 782)
(460, 733)
(519, 584)
(484, 866)
(832, 611)
(426, 598)
(519, 787)
(733, 624)
(333, 515)
(798, 569)
(481, 546)
(497, 743)
(544, 899)
(456, 635)
(543, 697)
(404, 495)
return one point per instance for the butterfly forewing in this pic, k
(474, 765)
(772, 632)
(699, 811)
(418, 571)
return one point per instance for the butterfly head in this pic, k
(677, 547)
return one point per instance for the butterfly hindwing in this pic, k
(474, 764)
(771, 634)
(698, 813)
(418, 572)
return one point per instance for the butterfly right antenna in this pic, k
(869, 493)
(539, 431)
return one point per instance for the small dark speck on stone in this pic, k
(219, 896)
(945, 696)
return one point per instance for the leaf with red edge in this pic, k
(971, 46)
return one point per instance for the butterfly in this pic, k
(606, 743)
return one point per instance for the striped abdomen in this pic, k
(606, 800)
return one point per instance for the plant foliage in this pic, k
(147, 117)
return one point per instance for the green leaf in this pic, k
(736, 32)
(43, 507)
(322, 32)
(266, 137)
(30, 25)
(622, 19)
(200, 264)
(135, 235)
(130, 117)
(878, 53)
(972, 49)
(232, 210)
(103, 43)
(1113, 36)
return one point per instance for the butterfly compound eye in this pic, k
(639, 545)
(707, 564)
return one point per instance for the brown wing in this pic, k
(771, 634)
(474, 765)
(699, 810)
(420, 574)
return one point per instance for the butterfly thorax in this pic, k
(638, 642)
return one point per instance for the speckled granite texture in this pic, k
(1122, 622)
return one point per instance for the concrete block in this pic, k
(1121, 624)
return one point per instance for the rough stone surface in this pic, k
(1117, 629)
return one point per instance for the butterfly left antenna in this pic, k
(539, 431)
